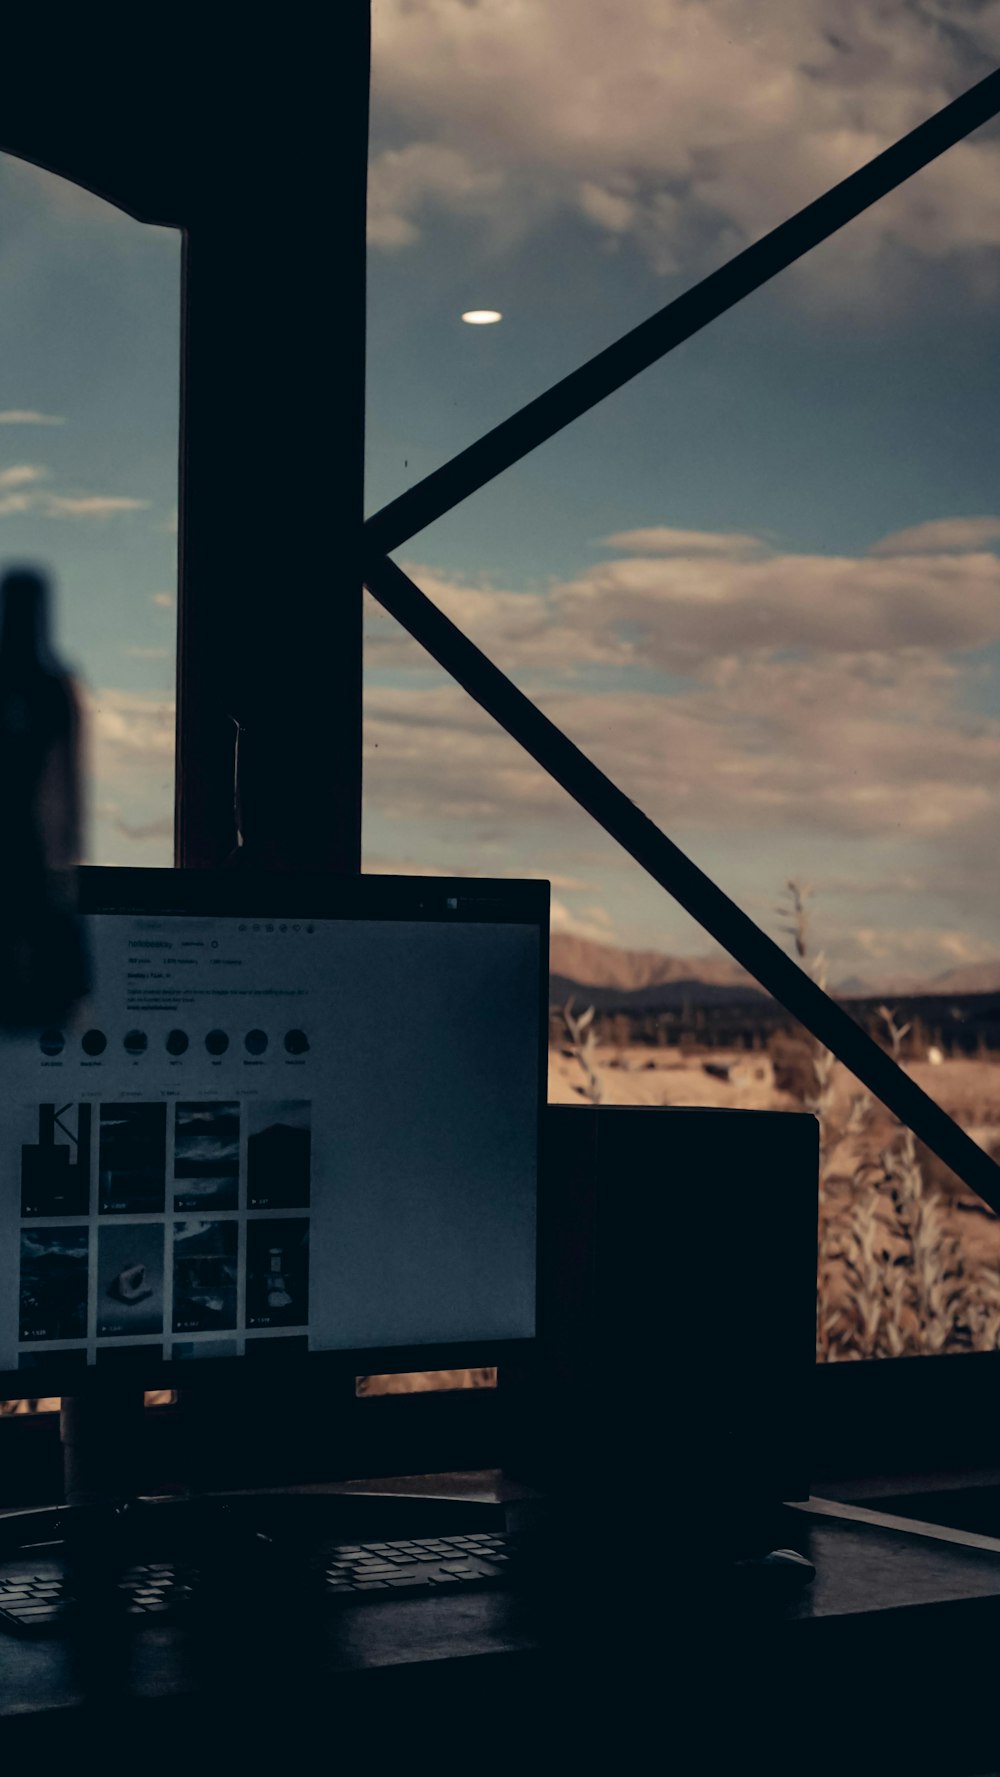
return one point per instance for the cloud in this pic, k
(376, 864)
(660, 539)
(130, 724)
(691, 613)
(689, 610)
(814, 708)
(161, 828)
(129, 751)
(26, 416)
(920, 944)
(20, 493)
(941, 536)
(424, 176)
(21, 475)
(784, 757)
(14, 485)
(689, 129)
(510, 626)
(90, 505)
(594, 922)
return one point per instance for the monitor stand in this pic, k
(105, 1524)
(238, 1541)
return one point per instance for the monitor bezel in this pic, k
(235, 893)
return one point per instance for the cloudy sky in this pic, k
(760, 585)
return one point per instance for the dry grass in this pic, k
(50, 1403)
(909, 1259)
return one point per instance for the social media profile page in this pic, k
(239, 1148)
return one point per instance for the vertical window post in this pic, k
(272, 444)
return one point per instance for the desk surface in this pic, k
(883, 1595)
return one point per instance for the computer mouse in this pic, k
(777, 1572)
(793, 1562)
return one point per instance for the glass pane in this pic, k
(759, 586)
(90, 343)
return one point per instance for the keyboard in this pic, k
(428, 1564)
(41, 1603)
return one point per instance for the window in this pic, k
(516, 154)
(89, 337)
(735, 584)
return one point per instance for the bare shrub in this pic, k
(893, 1278)
(583, 1046)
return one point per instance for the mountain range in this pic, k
(606, 975)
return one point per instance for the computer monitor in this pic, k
(297, 1122)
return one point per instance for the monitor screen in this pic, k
(297, 1117)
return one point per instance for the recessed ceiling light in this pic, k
(481, 317)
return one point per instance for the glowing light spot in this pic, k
(482, 317)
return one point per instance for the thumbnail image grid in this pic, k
(279, 1149)
(132, 1166)
(55, 1275)
(206, 1276)
(55, 1169)
(207, 1155)
(181, 1252)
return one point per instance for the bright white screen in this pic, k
(322, 1133)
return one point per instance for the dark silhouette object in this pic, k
(43, 972)
(55, 1175)
(130, 1284)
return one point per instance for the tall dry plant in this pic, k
(892, 1279)
(818, 1097)
(583, 1048)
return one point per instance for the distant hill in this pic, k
(970, 978)
(605, 976)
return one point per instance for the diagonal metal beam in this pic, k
(682, 879)
(670, 326)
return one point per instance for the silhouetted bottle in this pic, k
(43, 969)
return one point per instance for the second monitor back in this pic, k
(677, 1289)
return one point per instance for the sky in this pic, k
(760, 585)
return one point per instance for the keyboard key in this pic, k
(371, 1585)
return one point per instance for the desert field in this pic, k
(909, 1258)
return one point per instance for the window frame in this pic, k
(183, 177)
